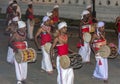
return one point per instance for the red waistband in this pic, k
(62, 49)
(20, 45)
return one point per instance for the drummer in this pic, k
(117, 23)
(17, 42)
(84, 49)
(65, 76)
(98, 40)
(44, 32)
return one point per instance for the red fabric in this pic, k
(30, 16)
(85, 30)
(45, 38)
(62, 49)
(79, 45)
(55, 19)
(90, 22)
(100, 63)
(19, 45)
(118, 26)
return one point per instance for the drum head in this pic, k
(87, 37)
(47, 47)
(65, 62)
(104, 51)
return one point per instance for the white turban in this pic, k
(21, 24)
(49, 14)
(89, 6)
(56, 6)
(85, 12)
(100, 24)
(14, 5)
(15, 19)
(61, 25)
(45, 18)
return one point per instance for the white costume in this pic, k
(101, 69)
(21, 68)
(65, 76)
(30, 28)
(46, 62)
(30, 25)
(85, 51)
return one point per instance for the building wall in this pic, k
(106, 11)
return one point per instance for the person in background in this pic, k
(30, 21)
(11, 29)
(117, 23)
(84, 47)
(55, 16)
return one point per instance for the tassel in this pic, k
(100, 63)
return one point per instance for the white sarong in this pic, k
(85, 51)
(46, 62)
(30, 28)
(101, 69)
(10, 55)
(65, 76)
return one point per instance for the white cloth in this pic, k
(21, 69)
(101, 69)
(118, 43)
(10, 55)
(30, 28)
(65, 76)
(85, 51)
(46, 62)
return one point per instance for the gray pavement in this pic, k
(82, 75)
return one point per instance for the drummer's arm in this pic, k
(91, 43)
(10, 43)
(52, 47)
(36, 38)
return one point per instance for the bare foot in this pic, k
(105, 81)
(50, 72)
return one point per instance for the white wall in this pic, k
(104, 12)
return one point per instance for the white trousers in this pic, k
(29, 29)
(118, 43)
(101, 69)
(21, 70)
(65, 76)
(85, 51)
(10, 55)
(46, 62)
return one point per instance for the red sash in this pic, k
(45, 38)
(62, 49)
(20, 45)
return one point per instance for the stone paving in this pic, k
(82, 75)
